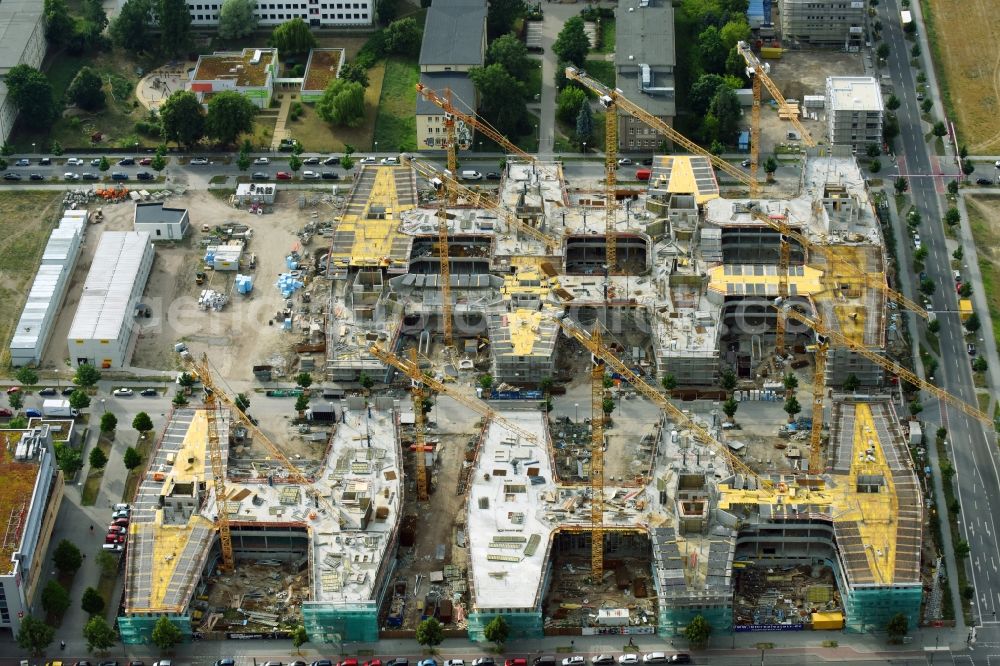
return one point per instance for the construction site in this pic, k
(590, 417)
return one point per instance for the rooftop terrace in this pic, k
(18, 485)
(245, 68)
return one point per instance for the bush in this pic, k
(148, 129)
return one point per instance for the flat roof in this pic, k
(155, 212)
(454, 34)
(18, 20)
(461, 86)
(16, 491)
(854, 93)
(322, 67)
(236, 66)
(644, 33)
(107, 293)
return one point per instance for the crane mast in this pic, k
(597, 464)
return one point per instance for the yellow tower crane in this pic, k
(624, 104)
(444, 257)
(783, 261)
(610, 181)
(597, 463)
(816, 465)
(419, 438)
(874, 356)
(218, 478)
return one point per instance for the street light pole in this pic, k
(577, 406)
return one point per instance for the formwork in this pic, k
(520, 625)
(327, 622)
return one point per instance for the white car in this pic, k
(74, 161)
(367, 160)
(625, 162)
(69, 175)
(454, 662)
(391, 161)
(122, 392)
(630, 658)
(576, 660)
(199, 161)
(262, 160)
(311, 175)
(95, 162)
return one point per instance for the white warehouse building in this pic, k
(161, 222)
(102, 332)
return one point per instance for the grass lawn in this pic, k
(607, 36)
(92, 486)
(984, 218)
(602, 70)
(534, 82)
(395, 124)
(26, 218)
(564, 136)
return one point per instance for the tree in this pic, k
(346, 163)
(92, 602)
(187, 380)
(496, 631)
(130, 29)
(342, 103)
(69, 458)
(725, 106)
(927, 286)
(237, 18)
(503, 98)
(99, 636)
(16, 401)
(430, 632)
(915, 407)
(791, 382)
(952, 187)
(952, 216)
(86, 375)
(934, 326)
(962, 549)
(736, 30)
(873, 150)
(890, 128)
(166, 634)
(142, 423)
(792, 407)
(301, 403)
(915, 51)
(729, 408)
(770, 166)
(242, 402)
(179, 399)
(103, 166)
(892, 103)
(510, 53)
(34, 635)
(299, 638)
(86, 90)
(403, 37)
(486, 381)
(669, 382)
(568, 103)
(572, 43)
(728, 379)
(965, 290)
(26, 376)
(502, 14)
(366, 381)
(304, 379)
(79, 399)
(980, 364)
(174, 19)
(294, 163)
(584, 124)
(131, 459)
(95, 20)
(31, 94)
(897, 627)
(698, 631)
(875, 165)
(608, 406)
(711, 50)
(972, 324)
(352, 71)
(901, 184)
(55, 598)
(386, 11)
(67, 557)
(229, 115)
(243, 161)
(108, 422)
(97, 458)
(58, 22)
(182, 119)
(293, 37)
(882, 51)
(939, 129)
(851, 383)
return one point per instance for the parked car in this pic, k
(283, 175)
(326, 662)
(32, 413)
(48, 390)
(259, 175)
(120, 522)
(454, 662)
(126, 161)
(145, 161)
(398, 661)
(310, 175)
(124, 391)
(87, 175)
(367, 160)
(10, 175)
(6, 412)
(971, 348)
(70, 175)
(603, 660)
(149, 393)
(145, 175)
(373, 662)
(390, 161)
(575, 660)
(311, 160)
(483, 661)
(493, 175)
(162, 662)
(45, 161)
(261, 160)
(119, 175)
(625, 162)
(24, 161)
(630, 658)
(330, 161)
(36, 176)
(329, 175)
(228, 661)
(515, 662)
(68, 390)
(198, 161)
(680, 658)
(116, 529)
(13, 389)
(427, 662)
(95, 162)
(984, 181)
(655, 658)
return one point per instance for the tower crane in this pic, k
(419, 445)
(597, 463)
(636, 111)
(218, 479)
(610, 181)
(413, 371)
(870, 279)
(819, 389)
(598, 349)
(444, 258)
(843, 341)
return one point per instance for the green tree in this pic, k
(179, 399)
(972, 324)
(243, 161)
(366, 381)
(915, 50)
(26, 376)
(770, 166)
(131, 459)
(301, 403)
(58, 22)
(875, 165)
(108, 422)
(608, 406)
(501, 16)
(939, 129)
(790, 381)
(294, 163)
(130, 30)
(965, 290)
(892, 103)
(229, 115)
(166, 634)
(736, 30)
(952, 187)
(86, 375)
(187, 380)
(16, 402)
(31, 94)
(34, 635)
(934, 325)
(6, 149)
(486, 381)
(159, 163)
(86, 90)
(980, 364)
(346, 163)
(711, 50)
(669, 382)
(293, 37)
(386, 11)
(182, 119)
(403, 37)
(873, 150)
(698, 631)
(299, 638)
(342, 103)
(142, 423)
(97, 458)
(242, 402)
(99, 636)
(927, 286)
(496, 631)
(103, 166)
(584, 124)
(92, 602)
(968, 167)
(510, 52)
(17, 423)
(502, 98)
(67, 557)
(69, 458)
(55, 598)
(572, 43)
(430, 633)
(79, 399)
(915, 407)
(725, 106)
(901, 185)
(95, 20)
(237, 18)
(897, 627)
(729, 408)
(952, 216)
(353, 71)
(569, 102)
(174, 19)
(304, 379)
(728, 379)
(851, 383)
(882, 51)
(792, 407)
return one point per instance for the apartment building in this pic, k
(854, 111)
(823, 22)
(317, 13)
(22, 42)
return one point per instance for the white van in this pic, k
(471, 175)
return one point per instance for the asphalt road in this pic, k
(974, 456)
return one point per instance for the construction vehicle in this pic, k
(199, 277)
(874, 356)
(623, 103)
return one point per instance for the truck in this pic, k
(61, 408)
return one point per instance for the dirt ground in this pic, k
(964, 38)
(263, 586)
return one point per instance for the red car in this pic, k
(6, 412)
(146, 161)
(284, 175)
(13, 389)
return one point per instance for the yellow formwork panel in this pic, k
(189, 465)
(373, 238)
(682, 177)
(807, 284)
(528, 280)
(525, 326)
(169, 542)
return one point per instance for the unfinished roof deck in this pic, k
(683, 174)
